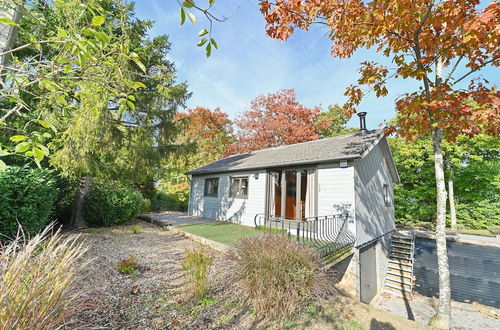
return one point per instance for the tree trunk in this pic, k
(451, 197)
(77, 220)
(442, 319)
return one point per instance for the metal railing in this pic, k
(327, 235)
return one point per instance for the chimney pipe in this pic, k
(362, 121)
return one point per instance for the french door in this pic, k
(292, 193)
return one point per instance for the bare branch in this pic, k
(476, 69)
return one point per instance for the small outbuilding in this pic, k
(350, 175)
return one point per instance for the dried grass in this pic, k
(38, 278)
(279, 276)
(197, 263)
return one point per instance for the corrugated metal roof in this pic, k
(348, 146)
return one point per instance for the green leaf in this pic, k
(211, 2)
(137, 84)
(183, 15)
(3, 153)
(214, 43)
(103, 37)
(22, 147)
(202, 42)
(3, 166)
(17, 138)
(8, 21)
(131, 97)
(39, 155)
(43, 123)
(192, 18)
(61, 33)
(131, 105)
(97, 21)
(188, 3)
(203, 32)
(208, 49)
(140, 64)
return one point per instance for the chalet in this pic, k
(305, 186)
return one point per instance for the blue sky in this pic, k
(249, 63)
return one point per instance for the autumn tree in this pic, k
(273, 120)
(440, 44)
(203, 137)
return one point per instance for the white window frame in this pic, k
(232, 194)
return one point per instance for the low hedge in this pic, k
(106, 206)
(28, 197)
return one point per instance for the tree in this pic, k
(437, 43)
(106, 114)
(333, 122)
(203, 137)
(273, 120)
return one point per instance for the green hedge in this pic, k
(105, 206)
(27, 196)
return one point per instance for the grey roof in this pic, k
(349, 146)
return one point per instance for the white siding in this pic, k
(223, 207)
(336, 191)
(373, 217)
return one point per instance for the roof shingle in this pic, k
(336, 148)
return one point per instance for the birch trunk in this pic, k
(442, 319)
(451, 196)
(77, 220)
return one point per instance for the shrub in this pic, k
(27, 195)
(279, 276)
(197, 263)
(136, 229)
(38, 280)
(105, 206)
(128, 266)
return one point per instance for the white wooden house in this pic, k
(350, 174)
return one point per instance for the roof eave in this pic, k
(263, 167)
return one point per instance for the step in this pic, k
(406, 254)
(405, 274)
(403, 243)
(392, 256)
(402, 246)
(398, 286)
(396, 292)
(400, 266)
(399, 279)
(402, 238)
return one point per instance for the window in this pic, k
(211, 187)
(239, 187)
(387, 195)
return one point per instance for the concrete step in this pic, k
(397, 292)
(406, 254)
(398, 285)
(399, 273)
(400, 238)
(395, 264)
(401, 259)
(402, 247)
(399, 279)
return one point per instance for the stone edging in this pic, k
(221, 247)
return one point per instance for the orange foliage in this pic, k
(275, 120)
(416, 35)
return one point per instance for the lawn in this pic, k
(222, 232)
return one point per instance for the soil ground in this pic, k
(157, 297)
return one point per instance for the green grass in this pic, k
(222, 232)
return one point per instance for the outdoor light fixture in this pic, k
(256, 176)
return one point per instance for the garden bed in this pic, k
(156, 297)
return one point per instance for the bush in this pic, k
(197, 263)
(279, 276)
(38, 281)
(128, 266)
(136, 229)
(27, 195)
(105, 206)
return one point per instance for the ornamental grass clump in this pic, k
(279, 276)
(38, 280)
(197, 263)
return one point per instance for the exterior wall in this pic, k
(373, 217)
(336, 191)
(382, 254)
(7, 31)
(223, 207)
